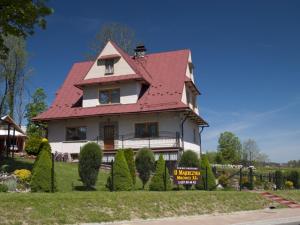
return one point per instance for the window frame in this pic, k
(147, 129)
(107, 64)
(109, 90)
(75, 127)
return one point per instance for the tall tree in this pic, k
(13, 72)
(19, 17)
(123, 35)
(35, 107)
(251, 152)
(230, 147)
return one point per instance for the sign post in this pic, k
(186, 175)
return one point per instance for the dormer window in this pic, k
(109, 96)
(109, 66)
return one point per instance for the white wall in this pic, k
(188, 137)
(129, 92)
(168, 122)
(121, 67)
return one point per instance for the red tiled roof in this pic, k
(108, 79)
(165, 73)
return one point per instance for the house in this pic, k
(12, 136)
(123, 101)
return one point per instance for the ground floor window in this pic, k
(143, 130)
(75, 133)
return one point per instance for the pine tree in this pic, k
(42, 170)
(122, 180)
(211, 180)
(129, 156)
(158, 180)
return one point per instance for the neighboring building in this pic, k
(12, 137)
(120, 101)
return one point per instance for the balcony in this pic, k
(164, 140)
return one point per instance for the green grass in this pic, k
(69, 206)
(99, 206)
(293, 195)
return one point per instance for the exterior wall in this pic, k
(184, 99)
(121, 67)
(189, 127)
(167, 122)
(129, 92)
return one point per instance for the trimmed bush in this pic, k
(42, 169)
(288, 185)
(121, 174)
(189, 158)
(90, 158)
(158, 180)
(129, 156)
(32, 145)
(3, 188)
(294, 176)
(211, 180)
(145, 164)
(279, 179)
(23, 175)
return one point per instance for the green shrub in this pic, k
(121, 174)
(42, 170)
(294, 176)
(32, 145)
(288, 185)
(145, 164)
(158, 180)
(211, 180)
(223, 180)
(3, 188)
(279, 179)
(129, 156)
(4, 168)
(90, 158)
(189, 158)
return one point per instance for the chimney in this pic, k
(140, 51)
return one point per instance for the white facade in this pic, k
(129, 92)
(168, 124)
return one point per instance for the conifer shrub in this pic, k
(294, 176)
(32, 145)
(90, 158)
(122, 180)
(211, 180)
(129, 156)
(42, 170)
(279, 181)
(145, 164)
(158, 180)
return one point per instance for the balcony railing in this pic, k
(164, 140)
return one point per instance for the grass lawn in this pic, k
(67, 206)
(293, 195)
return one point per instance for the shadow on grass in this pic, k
(12, 164)
(84, 188)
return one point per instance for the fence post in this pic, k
(270, 177)
(165, 177)
(206, 179)
(241, 177)
(251, 177)
(149, 141)
(122, 138)
(52, 173)
(112, 175)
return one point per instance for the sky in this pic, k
(246, 56)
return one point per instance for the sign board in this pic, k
(186, 175)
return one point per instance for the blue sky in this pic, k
(246, 56)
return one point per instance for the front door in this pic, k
(109, 134)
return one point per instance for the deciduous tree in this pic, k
(230, 147)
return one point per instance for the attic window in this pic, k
(109, 66)
(191, 67)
